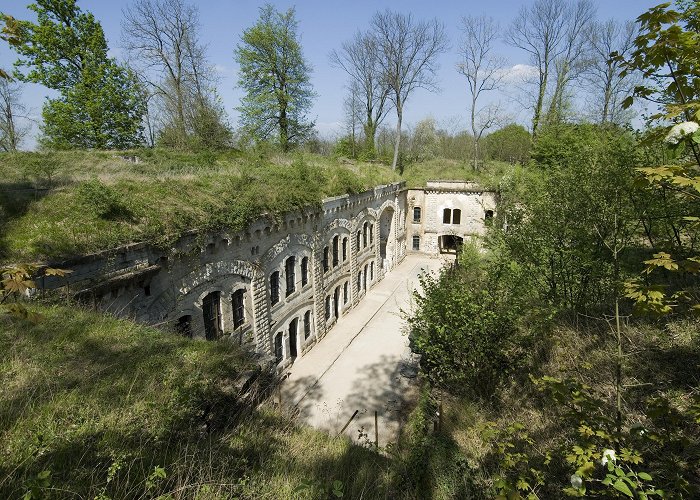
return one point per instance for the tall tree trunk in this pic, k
(540, 97)
(370, 130)
(397, 143)
(284, 130)
(475, 137)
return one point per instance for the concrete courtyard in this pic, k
(363, 363)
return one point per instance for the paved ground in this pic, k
(363, 363)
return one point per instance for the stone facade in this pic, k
(280, 285)
(446, 213)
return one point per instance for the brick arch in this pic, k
(211, 273)
(335, 224)
(368, 214)
(291, 240)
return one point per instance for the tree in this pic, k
(11, 108)
(539, 31)
(604, 71)
(359, 58)
(570, 60)
(511, 143)
(161, 37)
(100, 104)
(483, 71)
(408, 52)
(276, 79)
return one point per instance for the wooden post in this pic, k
(348, 423)
(376, 430)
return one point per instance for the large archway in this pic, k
(387, 239)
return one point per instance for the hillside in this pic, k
(59, 204)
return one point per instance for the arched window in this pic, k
(274, 288)
(345, 292)
(416, 214)
(325, 259)
(345, 249)
(364, 279)
(456, 216)
(371, 234)
(307, 324)
(359, 235)
(371, 270)
(304, 271)
(364, 235)
(211, 308)
(446, 216)
(328, 307)
(336, 244)
(278, 348)
(237, 303)
(359, 281)
(289, 274)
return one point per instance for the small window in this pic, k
(446, 216)
(364, 235)
(278, 348)
(328, 308)
(304, 271)
(238, 308)
(289, 274)
(456, 216)
(371, 234)
(416, 243)
(274, 288)
(345, 292)
(488, 214)
(336, 243)
(364, 279)
(416, 214)
(371, 270)
(345, 249)
(359, 281)
(359, 235)
(307, 324)
(325, 259)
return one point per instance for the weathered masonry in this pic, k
(277, 286)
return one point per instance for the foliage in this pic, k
(276, 79)
(18, 281)
(511, 143)
(100, 104)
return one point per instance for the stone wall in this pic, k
(360, 237)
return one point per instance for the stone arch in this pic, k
(387, 235)
(291, 240)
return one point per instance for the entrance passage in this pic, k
(211, 308)
(450, 243)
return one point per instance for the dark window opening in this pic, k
(456, 216)
(184, 326)
(364, 279)
(359, 281)
(450, 243)
(416, 214)
(345, 292)
(328, 308)
(336, 244)
(278, 348)
(446, 216)
(147, 290)
(211, 307)
(336, 302)
(371, 234)
(274, 288)
(293, 338)
(307, 324)
(345, 249)
(304, 271)
(416, 243)
(371, 270)
(488, 214)
(359, 235)
(325, 259)
(289, 274)
(238, 308)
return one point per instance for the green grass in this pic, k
(66, 203)
(100, 403)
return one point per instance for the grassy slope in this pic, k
(98, 200)
(82, 394)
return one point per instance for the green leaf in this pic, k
(620, 486)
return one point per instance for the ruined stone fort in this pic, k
(281, 285)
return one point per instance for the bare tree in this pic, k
(359, 58)
(11, 109)
(571, 61)
(603, 72)
(539, 30)
(483, 71)
(161, 38)
(408, 52)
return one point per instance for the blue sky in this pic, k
(323, 25)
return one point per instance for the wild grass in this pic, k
(95, 407)
(61, 204)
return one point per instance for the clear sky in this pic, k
(324, 25)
